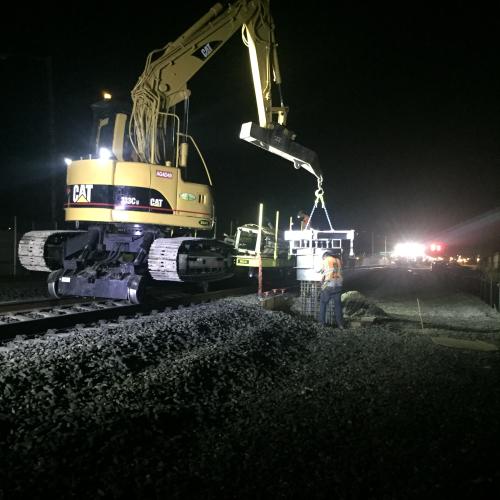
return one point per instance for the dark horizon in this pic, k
(401, 106)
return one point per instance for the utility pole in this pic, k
(373, 243)
(52, 138)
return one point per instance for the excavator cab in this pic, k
(136, 221)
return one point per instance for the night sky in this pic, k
(401, 104)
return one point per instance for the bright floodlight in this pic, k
(106, 95)
(409, 250)
(105, 154)
(68, 161)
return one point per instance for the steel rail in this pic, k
(39, 320)
(31, 304)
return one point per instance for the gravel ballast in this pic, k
(228, 400)
(24, 289)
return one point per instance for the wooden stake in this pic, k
(420, 314)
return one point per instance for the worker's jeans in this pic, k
(328, 293)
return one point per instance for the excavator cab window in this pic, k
(104, 134)
(110, 129)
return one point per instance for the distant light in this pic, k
(436, 247)
(68, 161)
(105, 154)
(106, 96)
(409, 250)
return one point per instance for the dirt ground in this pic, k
(425, 300)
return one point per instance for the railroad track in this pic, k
(35, 318)
(29, 304)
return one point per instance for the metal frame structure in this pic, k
(254, 258)
(309, 245)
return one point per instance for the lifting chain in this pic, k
(319, 198)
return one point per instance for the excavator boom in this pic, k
(163, 83)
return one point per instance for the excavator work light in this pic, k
(105, 154)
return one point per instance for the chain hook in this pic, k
(319, 197)
(319, 192)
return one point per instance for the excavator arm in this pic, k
(163, 83)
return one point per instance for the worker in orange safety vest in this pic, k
(331, 287)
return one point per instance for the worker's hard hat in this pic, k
(333, 252)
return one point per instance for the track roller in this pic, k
(135, 290)
(53, 283)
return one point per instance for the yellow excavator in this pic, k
(136, 216)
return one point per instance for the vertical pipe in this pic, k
(259, 232)
(260, 275)
(276, 234)
(259, 238)
(15, 245)
(185, 129)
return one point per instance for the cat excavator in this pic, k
(137, 216)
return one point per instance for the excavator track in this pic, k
(32, 250)
(162, 259)
(189, 259)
